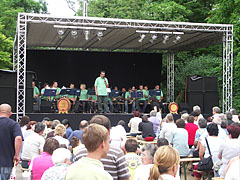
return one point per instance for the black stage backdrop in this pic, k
(122, 69)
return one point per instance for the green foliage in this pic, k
(9, 10)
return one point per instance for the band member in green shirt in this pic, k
(55, 86)
(142, 100)
(83, 97)
(101, 85)
(36, 95)
(72, 98)
(129, 100)
(45, 98)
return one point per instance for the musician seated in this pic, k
(157, 100)
(92, 103)
(55, 86)
(45, 98)
(36, 95)
(142, 100)
(83, 98)
(72, 98)
(115, 100)
(129, 100)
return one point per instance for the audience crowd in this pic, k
(52, 150)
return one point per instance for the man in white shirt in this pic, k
(33, 144)
(168, 127)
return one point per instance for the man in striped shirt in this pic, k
(115, 163)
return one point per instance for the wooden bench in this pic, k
(185, 161)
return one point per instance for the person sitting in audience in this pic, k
(96, 140)
(162, 142)
(146, 127)
(166, 162)
(78, 133)
(235, 117)
(118, 134)
(229, 118)
(116, 166)
(229, 148)
(44, 161)
(30, 129)
(215, 111)
(154, 120)
(69, 130)
(33, 144)
(198, 110)
(133, 160)
(185, 116)
(168, 127)
(179, 138)
(147, 155)
(59, 132)
(54, 125)
(76, 144)
(224, 125)
(214, 143)
(134, 122)
(23, 123)
(61, 160)
(232, 168)
(191, 129)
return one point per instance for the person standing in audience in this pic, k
(118, 134)
(78, 133)
(133, 160)
(134, 122)
(168, 127)
(101, 84)
(179, 138)
(146, 127)
(69, 130)
(229, 148)
(147, 156)
(96, 139)
(33, 144)
(42, 162)
(166, 164)
(154, 120)
(10, 140)
(61, 160)
(191, 129)
(117, 166)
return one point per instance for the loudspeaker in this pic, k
(46, 107)
(195, 98)
(184, 106)
(211, 84)
(195, 83)
(211, 99)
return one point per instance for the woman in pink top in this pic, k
(44, 161)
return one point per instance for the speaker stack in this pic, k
(202, 91)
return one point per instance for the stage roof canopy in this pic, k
(117, 34)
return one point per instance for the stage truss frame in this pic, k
(20, 48)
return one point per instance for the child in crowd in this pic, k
(133, 160)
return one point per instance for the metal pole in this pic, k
(85, 6)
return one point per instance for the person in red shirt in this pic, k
(191, 129)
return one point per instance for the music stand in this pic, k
(114, 93)
(77, 92)
(91, 92)
(50, 92)
(158, 92)
(65, 91)
(139, 94)
(152, 92)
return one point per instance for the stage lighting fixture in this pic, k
(60, 33)
(99, 35)
(154, 37)
(142, 36)
(165, 38)
(177, 38)
(74, 34)
(86, 32)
